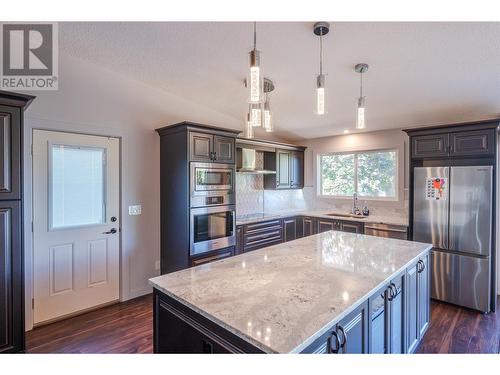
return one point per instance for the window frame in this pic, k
(319, 180)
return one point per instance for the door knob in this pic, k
(112, 231)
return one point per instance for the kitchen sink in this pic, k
(346, 215)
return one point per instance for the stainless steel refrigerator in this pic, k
(452, 209)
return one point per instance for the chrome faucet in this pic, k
(355, 209)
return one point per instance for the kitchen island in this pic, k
(332, 292)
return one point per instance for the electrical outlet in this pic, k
(157, 265)
(135, 210)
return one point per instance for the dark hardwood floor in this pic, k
(121, 328)
(127, 328)
(454, 329)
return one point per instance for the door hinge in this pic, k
(32, 304)
(31, 227)
(32, 149)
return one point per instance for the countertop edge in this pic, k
(311, 338)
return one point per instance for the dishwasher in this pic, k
(387, 230)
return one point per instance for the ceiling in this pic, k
(420, 73)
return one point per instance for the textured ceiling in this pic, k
(420, 73)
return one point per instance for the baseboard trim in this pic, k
(138, 292)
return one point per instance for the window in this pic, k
(370, 174)
(77, 186)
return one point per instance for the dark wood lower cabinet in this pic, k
(324, 225)
(11, 281)
(353, 331)
(212, 256)
(417, 302)
(308, 226)
(178, 329)
(289, 229)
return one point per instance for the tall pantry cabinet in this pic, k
(12, 107)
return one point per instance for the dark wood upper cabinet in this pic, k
(201, 146)
(297, 170)
(479, 142)
(10, 153)
(283, 169)
(224, 149)
(211, 148)
(425, 146)
(456, 141)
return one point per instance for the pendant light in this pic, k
(255, 78)
(320, 29)
(248, 127)
(255, 114)
(268, 120)
(360, 122)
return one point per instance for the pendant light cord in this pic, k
(361, 84)
(254, 35)
(321, 52)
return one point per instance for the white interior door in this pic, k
(75, 223)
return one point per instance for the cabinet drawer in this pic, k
(221, 254)
(262, 226)
(260, 240)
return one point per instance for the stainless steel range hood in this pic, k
(248, 163)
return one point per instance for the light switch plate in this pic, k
(157, 265)
(135, 210)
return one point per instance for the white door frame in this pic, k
(29, 127)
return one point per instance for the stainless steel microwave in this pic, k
(211, 184)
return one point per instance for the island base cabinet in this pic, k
(178, 330)
(348, 336)
(417, 303)
(353, 331)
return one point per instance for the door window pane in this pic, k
(337, 174)
(77, 186)
(377, 174)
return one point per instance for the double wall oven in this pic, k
(212, 207)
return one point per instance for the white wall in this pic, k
(93, 100)
(388, 139)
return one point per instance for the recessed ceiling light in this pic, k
(346, 131)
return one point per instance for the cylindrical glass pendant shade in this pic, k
(320, 95)
(255, 114)
(255, 78)
(360, 123)
(248, 127)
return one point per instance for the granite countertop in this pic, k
(281, 298)
(381, 219)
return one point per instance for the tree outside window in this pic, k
(370, 174)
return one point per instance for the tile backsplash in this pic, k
(251, 198)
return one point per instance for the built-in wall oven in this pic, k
(212, 184)
(212, 228)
